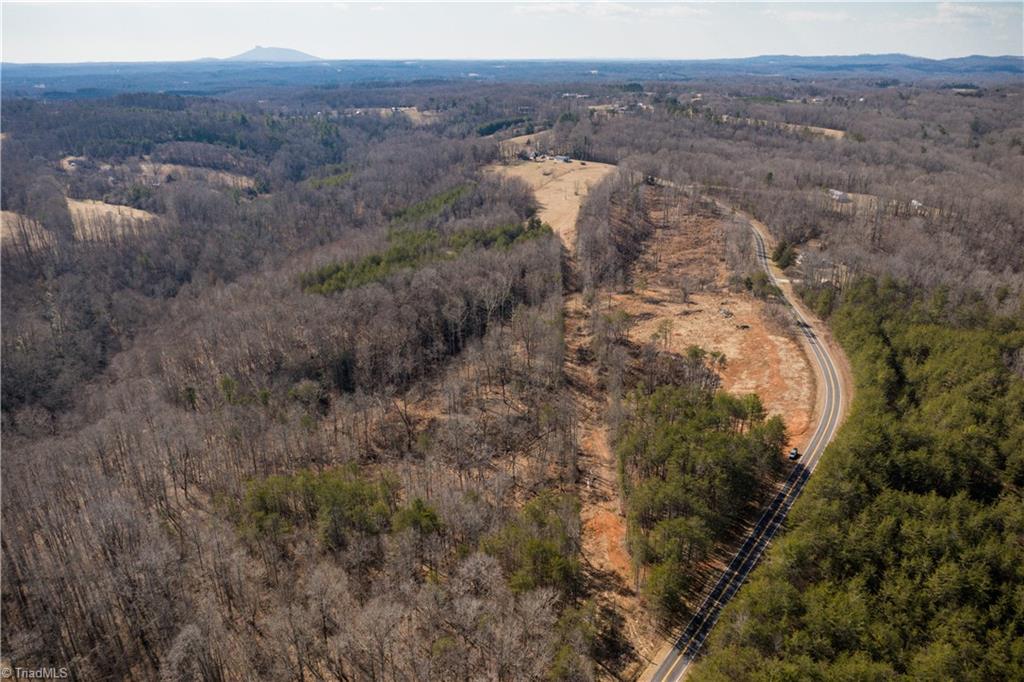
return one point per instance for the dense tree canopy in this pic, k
(904, 558)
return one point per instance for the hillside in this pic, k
(350, 382)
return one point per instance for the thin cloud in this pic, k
(959, 14)
(613, 10)
(806, 16)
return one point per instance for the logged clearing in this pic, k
(759, 359)
(99, 221)
(560, 189)
(763, 356)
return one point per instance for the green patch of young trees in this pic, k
(760, 284)
(690, 460)
(494, 126)
(431, 206)
(413, 249)
(905, 559)
(337, 502)
(330, 181)
(539, 547)
(784, 254)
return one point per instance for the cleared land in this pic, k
(532, 141)
(415, 115)
(560, 188)
(98, 220)
(763, 356)
(418, 117)
(832, 133)
(153, 173)
(16, 229)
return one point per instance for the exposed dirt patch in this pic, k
(560, 189)
(761, 356)
(610, 570)
(609, 534)
(759, 359)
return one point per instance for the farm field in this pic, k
(98, 220)
(560, 189)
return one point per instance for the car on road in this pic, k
(794, 454)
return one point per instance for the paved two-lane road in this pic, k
(689, 643)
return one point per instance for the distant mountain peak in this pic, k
(273, 54)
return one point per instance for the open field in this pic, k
(534, 142)
(560, 189)
(817, 130)
(18, 229)
(831, 133)
(153, 173)
(98, 220)
(418, 117)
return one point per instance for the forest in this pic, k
(903, 560)
(296, 385)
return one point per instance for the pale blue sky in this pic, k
(73, 32)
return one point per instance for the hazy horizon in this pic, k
(56, 33)
(502, 59)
